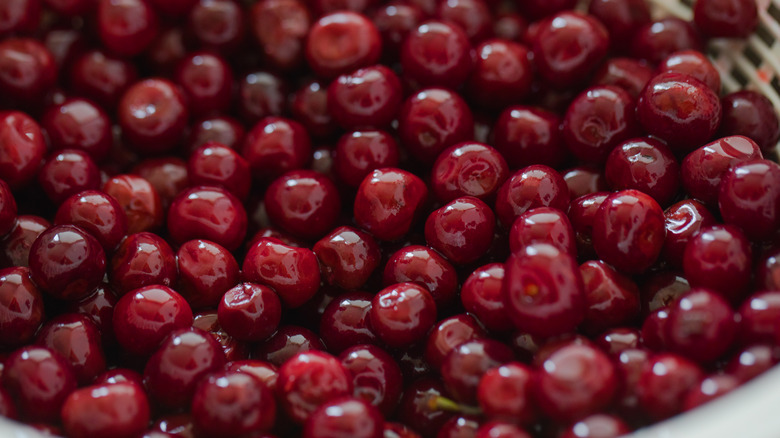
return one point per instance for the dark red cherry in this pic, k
(617, 340)
(128, 27)
(292, 272)
(543, 290)
(709, 389)
(719, 258)
(344, 416)
(612, 299)
(145, 316)
(496, 429)
(644, 164)
(653, 42)
(568, 47)
(418, 408)
(482, 296)
(77, 339)
(27, 70)
(209, 213)
(346, 321)
(598, 426)
(142, 259)
(468, 169)
(168, 176)
(139, 199)
(701, 325)
(341, 42)
(97, 213)
(21, 308)
(751, 362)
(663, 383)
(265, 372)
(219, 129)
(751, 114)
(261, 94)
(628, 231)
(183, 358)
(39, 380)
(584, 180)
(530, 187)
(385, 211)
(310, 379)
(621, 18)
(106, 410)
(423, 265)
(217, 165)
(575, 381)
(465, 365)
(19, 16)
(679, 109)
(347, 257)
(234, 349)
(206, 272)
(79, 124)
(287, 342)
(280, 27)
(22, 148)
(758, 316)
(582, 215)
(543, 225)
(432, 120)
(207, 80)
(217, 25)
(629, 74)
(693, 63)
(437, 53)
(448, 334)
(360, 152)
(473, 16)
(461, 230)
(367, 97)
(67, 173)
(726, 18)
(526, 135)
(376, 377)
(8, 209)
(683, 221)
(505, 393)
(66, 262)
(502, 73)
(250, 312)
(303, 203)
(704, 169)
(597, 120)
(276, 145)
(15, 246)
(402, 314)
(153, 114)
(750, 198)
(102, 77)
(232, 403)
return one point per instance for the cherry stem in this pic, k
(439, 403)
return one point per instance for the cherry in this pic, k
(376, 377)
(704, 168)
(398, 430)
(468, 169)
(473, 16)
(145, 316)
(709, 389)
(461, 230)
(719, 258)
(644, 164)
(617, 340)
(167, 49)
(537, 9)
(394, 21)
(502, 73)
(437, 53)
(77, 339)
(692, 63)
(505, 393)
(482, 296)
(402, 314)
(530, 187)
(526, 135)
(286, 343)
(750, 198)
(250, 312)
(276, 145)
(234, 349)
(139, 199)
(261, 94)
(627, 73)
(206, 272)
(582, 215)
(232, 403)
(309, 380)
(767, 274)
(8, 209)
(432, 120)
(422, 265)
(66, 173)
(183, 358)
(726, 18)
(39, 380)
(663, 383)
(496, 429)
(101, 77)
(459, 426)
(543, 290)
(344, 416)
(448, 334)
(207, 80)
(21, 307)
(542, 225)
(653, 42)
(611, 298)
(27, 70)
(217, 25)
(140, 260)
(265, 372)
(218, 129)
(628, 231)
(367, 97)
(309, 105)
(15, 246)
(78, 124)
(584, 180)
(751, 362)
(128, 27)
(758, 316)
(292, 272)
(21, 148)
(210, 213)
(119, 375)
(280, 27)
(750, 114)
(683, 221)
(19, 16)
(303, 203)
(568, 46)
(701, 325)
(597, 426)
(341, 42)
(347, 257)
(385, 211)
(418, 407)
(597, 120)
(153, 114)
(621, 18)
(106, 410)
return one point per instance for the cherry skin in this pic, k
(611, 298)
(15, 246)
(543, 290)
(207, 80)
(183, 358)
(360, 152)
(654, 42)
(139, 199)
(432, 120)
(250, 312)
(140, 260)
(22, 148)
(376, 377)
(473, 16)
(662, 289)
(232, 403)
(341, 42)
(215, 164)
(303, 203)
(627, 73)
(575, 381)
(683, 221)
(465, 365)
(384, 210)
(344, 417)
(261, 94)
(8, 209)
(502, 73)
(217, 25)
(597, 120)
(347, 257)
(402, 314)
(287, 342)
(482, 296)
(628, 231)
(280, 27)
(234, 349)
(39, 380)
(210, 213)
(67, 262)
(67, 173)
(367, 97)
(582, 215)
(97, 213)
(543, 225)
(418, 407)
(79, 124)
(153, 114)
(118, 410)
(750, 114)
(751, 362)
(102, 77)
(264, 372)
(689, 337)
(719, 258)
(468, 169)
(346, 321)
(725, 18)
(757, 318)
(709, 389)
(206, 271)
(692, 63)
(621, 19)
(495, 429)
(598, 426)
(704, 168)
(77, 339)
(644, 164)
(526, 135)
(145, 316)
(617, 340)
(292, 272)
(423, 265)
(461, 230)
(224, 130)
(570, 49)
(680, 110)
(126, 28)
(20, 16)
(119, 375)
(505, 393)
(276, 145)
(537, 9)
(448, 334)
(663, 382)
(308, 380)
(309, 106)
(21, 307)
(530, 187)
(750, 198)
(437, 53)
(27, 69)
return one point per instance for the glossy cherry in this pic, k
(751, 114)
(207, 80)
(530, 187)
(542, 225)
(465, 365)
(310, 379)
(612, 299)
(292, 272)
(422, 265)
(344, 416)
(287, 342)
(210, 213)
(139, 199)
(20, 16)
(468, 169)
(233, 403)
(644, 164)
(683, 221)
(234, 349)
(27, 70)
(119, 410)
(402, 314)
(461, 230)
(750, 198)
(102, 77)
(21, 307)
(526, 135)
(448, 334)
(598, 426)
(726, 18)
(153, 114)
(142, 259)
(437, 53)
(757, 316)
(224, 130)
(663, 382)
(304, 203)
(276, 145)
(376, 378)
(482, 296)
(206, 271)
(629, 74)
(250, 312)
(367, 97)
(382, 209)
(621, 19)
(261, 94)
(653, 42)
(341, 42)
(280, 27)
(701, 325)
(77, 339)
(22, 148)
(97, 213)
(719, 258)
(347, 257)
(418, 407)
(217, 25)
(126, 28)
(692, 63)
(80, 124)
(15, 246)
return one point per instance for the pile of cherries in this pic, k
(369, 219)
